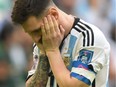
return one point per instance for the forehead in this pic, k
(32, 23)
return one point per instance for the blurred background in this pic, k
(16, 46)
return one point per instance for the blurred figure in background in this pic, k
(17, 48)
(112, 81)
(66, 5)
(6, 79)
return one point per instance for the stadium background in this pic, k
(16, 46)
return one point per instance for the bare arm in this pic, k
(40, 78)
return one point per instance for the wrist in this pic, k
(52, 51)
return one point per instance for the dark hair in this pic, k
(25, 8)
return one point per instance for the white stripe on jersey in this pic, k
(89, 75)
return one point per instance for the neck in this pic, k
(66, 21)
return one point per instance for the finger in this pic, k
(43, 31)
(56, 28)
(51, 25)
(46, 26)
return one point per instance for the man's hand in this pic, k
(52, 33)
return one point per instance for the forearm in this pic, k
(61, 73)
(40, 78)
(59, 69)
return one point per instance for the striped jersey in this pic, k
(85, 52)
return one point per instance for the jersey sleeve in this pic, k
(87, 63)
(35, 61)
(90, 54)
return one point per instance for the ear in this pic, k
(53, 11)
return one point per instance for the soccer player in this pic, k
(68, 52)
